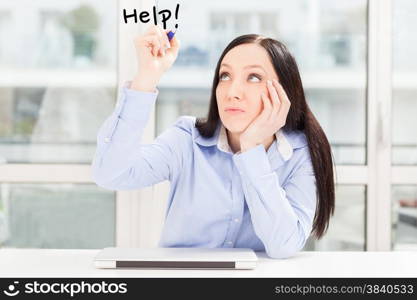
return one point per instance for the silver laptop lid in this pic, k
(176, 258)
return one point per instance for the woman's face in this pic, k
(243, 74)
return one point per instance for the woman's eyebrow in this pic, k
(245, 67)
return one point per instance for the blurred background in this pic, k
(61, 64)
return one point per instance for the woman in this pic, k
(257, 173)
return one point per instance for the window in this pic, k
(403, 221)
(56, 88)
(404, 217)
(55, 95)
(56, 216)
(347, 229)
(54, 98)
(404, 104)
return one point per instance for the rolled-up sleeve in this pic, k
(121, 161)
(282, 215)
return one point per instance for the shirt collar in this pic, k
(286, 142)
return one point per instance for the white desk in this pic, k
(79, 263)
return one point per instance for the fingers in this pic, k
(165, 44)
(160, 33)
(163, 40)
(285, 102)
(175, 46)
(159, 47)
(274, 96)
(266, 112)
(164, 33)
(156, 39)
(152, 42)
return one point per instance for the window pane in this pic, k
(59, 84)
(404, 217)
(347, 227)
(327, 38)
(56, 216)
(404, 105)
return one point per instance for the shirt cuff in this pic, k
(128, 85)
(253, 163)
(136, 105)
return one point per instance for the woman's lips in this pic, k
(234, 110)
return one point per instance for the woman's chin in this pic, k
(235, 128)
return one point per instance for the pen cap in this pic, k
(170, 35)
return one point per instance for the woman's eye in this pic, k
(222, 75)
(257, 77)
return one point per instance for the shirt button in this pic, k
(106, 140)
(236, 220)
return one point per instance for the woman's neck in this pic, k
(234, 141)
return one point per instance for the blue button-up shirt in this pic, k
(258, 199)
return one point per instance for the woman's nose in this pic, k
(235, 90)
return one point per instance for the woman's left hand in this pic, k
(270, 120)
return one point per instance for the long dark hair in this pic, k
(299, 118)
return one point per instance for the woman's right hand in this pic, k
(154, 57)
